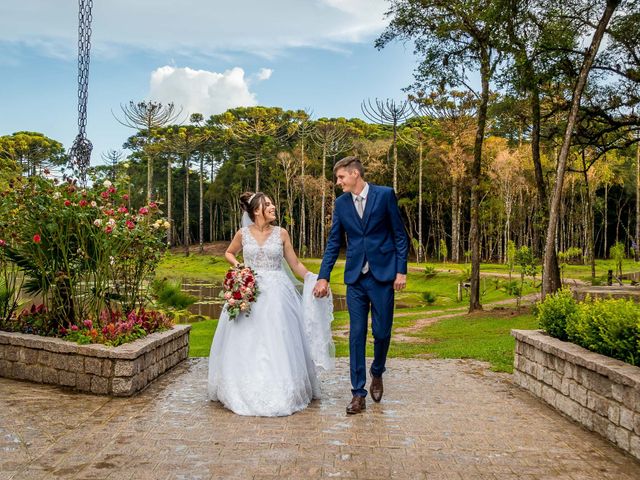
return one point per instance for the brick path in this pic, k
(439, 419)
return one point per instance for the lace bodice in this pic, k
(262, 257)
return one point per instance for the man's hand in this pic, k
(321, 289)
(400, 281)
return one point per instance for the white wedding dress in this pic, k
(261, 363)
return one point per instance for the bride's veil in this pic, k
(317, 314)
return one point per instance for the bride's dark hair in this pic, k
(249, 201)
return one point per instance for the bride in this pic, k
(264, 363)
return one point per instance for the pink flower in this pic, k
(74, 328)
(108, 229)
(232, 302)
(123, 209)
(3, 243)
(153, 205)
(227, 295)
(130, 225)
(88, 323)
(105, 195)
(83, 203)
(67, 203)
(37, 238)
(143, 211)
(108, 211)
(125, 197)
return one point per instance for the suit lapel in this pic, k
(370, 205)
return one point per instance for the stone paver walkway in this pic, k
(439, 419)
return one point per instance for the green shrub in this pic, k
(552, 313)
(512, 287)
(429, 297)
(430, 271)
(610, 327)
(170, 294)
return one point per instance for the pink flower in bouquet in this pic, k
(130, 225)
(143, 210)
(123, 209)
(239, 290)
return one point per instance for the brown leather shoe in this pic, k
(376, 388)
(357, 405)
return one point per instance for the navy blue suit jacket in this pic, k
(378, 237)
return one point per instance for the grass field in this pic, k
(483, 336)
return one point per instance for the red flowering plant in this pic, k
(80, 250)
(240, 290)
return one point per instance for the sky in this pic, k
(204, 55)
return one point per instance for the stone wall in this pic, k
(118, 371)
(601, 393)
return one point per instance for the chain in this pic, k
(80, 152)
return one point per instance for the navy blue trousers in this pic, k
(367, 294)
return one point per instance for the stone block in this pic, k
(598, 404)
(83, 382)
(49, 375)
(623, 438)
(93, 366)
(634, 446)
(99, 385)
(568, 406)
(614, 413)
(636, 423)
(19, 370)
(33, 373)
(28, 355)
(6, 368)
(107, 367)
(75, 363)
(599, 384)
(547, 376)
(626, 418)
(586, 418)
(578, 393)
(124, 368)
(45, 358)
(67, 379)
(549, 395)
(59, 361)
(565, 386)
(122, 386)
(604, 427)
(11, 353)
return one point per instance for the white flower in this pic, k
(111, 222)
(93, 204)
(112, 261)
(97, 222)
(56, 195)
(167, 225)
(106, 184)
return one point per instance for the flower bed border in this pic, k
(599, 392)
(118, 371)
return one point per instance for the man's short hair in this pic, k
(350, 163)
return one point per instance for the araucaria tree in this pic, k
(454, 38)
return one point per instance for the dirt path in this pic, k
(405, 334)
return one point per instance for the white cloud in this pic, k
(201, 91)
(264, 74)
(203, 27)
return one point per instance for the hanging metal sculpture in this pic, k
(80, 152)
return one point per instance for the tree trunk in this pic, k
(549, 284)
(395, 157)
(169, 203)
(185, 227)
(303, 226)
(455, 223)
(476, 172)
(201, 206)
(420, 256)
(637, 249)
(589, 224)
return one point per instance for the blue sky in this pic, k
(206, 55)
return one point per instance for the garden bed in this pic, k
(118, 371)
(599, 392)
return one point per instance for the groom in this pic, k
(376, 266)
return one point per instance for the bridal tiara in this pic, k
(251, 198)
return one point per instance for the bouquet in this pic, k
(240, 290)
